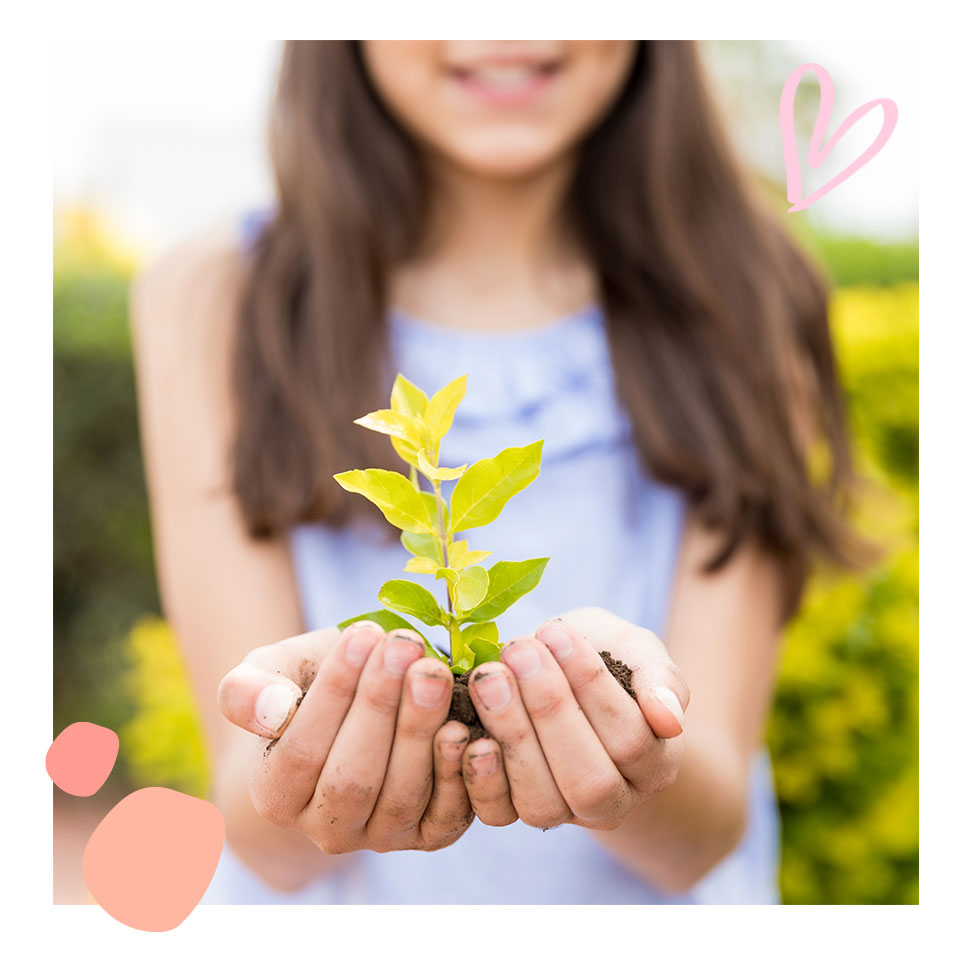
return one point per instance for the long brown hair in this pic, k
(717, 322)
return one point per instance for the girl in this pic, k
(563, 222)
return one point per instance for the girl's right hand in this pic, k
(359, 752)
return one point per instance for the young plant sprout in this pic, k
(475, 596)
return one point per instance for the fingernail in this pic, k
(493, 689)
(452, 750)
(556, 638)
(669, 698)
(427, 690)
(361, 642)
(273, 708)
(402, 650)
(522, 657)
(483, 765)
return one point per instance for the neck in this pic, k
(507, 219)
(496, 251)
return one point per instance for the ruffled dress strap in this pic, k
(553, 380)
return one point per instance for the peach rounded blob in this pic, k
(152, 857)
(81, 757)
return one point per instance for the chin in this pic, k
(505, 157)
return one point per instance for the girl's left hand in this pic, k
(569, 744)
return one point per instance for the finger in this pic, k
(534, 792)
(261, 693)
(589, 781)
(448, 813)
(486, 783)
(357, 763)
(408, 783)
(662, 690)
(624, 730)
(284, 781)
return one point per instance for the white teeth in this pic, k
(505, 75)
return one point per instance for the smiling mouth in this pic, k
(506, 81)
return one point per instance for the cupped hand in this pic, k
(568, 743)
(359, 754)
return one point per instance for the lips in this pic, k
(506, 81)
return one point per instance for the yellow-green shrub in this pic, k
(844, 729)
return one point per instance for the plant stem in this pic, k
(453, 628)
(443, 537)
(456, 643)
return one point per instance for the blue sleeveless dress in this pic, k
(612, 535)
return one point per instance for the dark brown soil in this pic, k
(461, 705)
(621, 672)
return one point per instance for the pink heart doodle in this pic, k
(816, 155)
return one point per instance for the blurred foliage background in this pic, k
(844, 728)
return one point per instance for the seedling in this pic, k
(429, 525)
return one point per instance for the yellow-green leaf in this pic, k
(407, 451)
(485, 488)
(392, 423)
(441, 408)
(393, 494)
(406, 398)
(430, 503)
(438, 473)
(469, 588)
(508, 582)
(421, 564)
(459, 555)
(451, 575)
(422, 544)
(405, 596)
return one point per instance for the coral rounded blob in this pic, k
(81, 757)
(152, 857)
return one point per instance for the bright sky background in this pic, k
(167, 142)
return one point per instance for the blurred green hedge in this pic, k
(843, 731)
(103, 577)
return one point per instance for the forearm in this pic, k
(674, 838)
(283, 858)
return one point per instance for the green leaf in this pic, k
(430, 501)
(438, 473)
(441, 408)
(485, 488)
(421, 564)
(484, 640)
(406, 398)
(388, 621)
(383, 617)
(508, 582)
(470, 588)
(451, 575)
(486, 631)
(393, 494)
(394, 424)
(465, 662)
(484, 652)
(405, 596)
(422, 544)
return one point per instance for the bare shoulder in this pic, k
(183, 312)
(190, 293)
